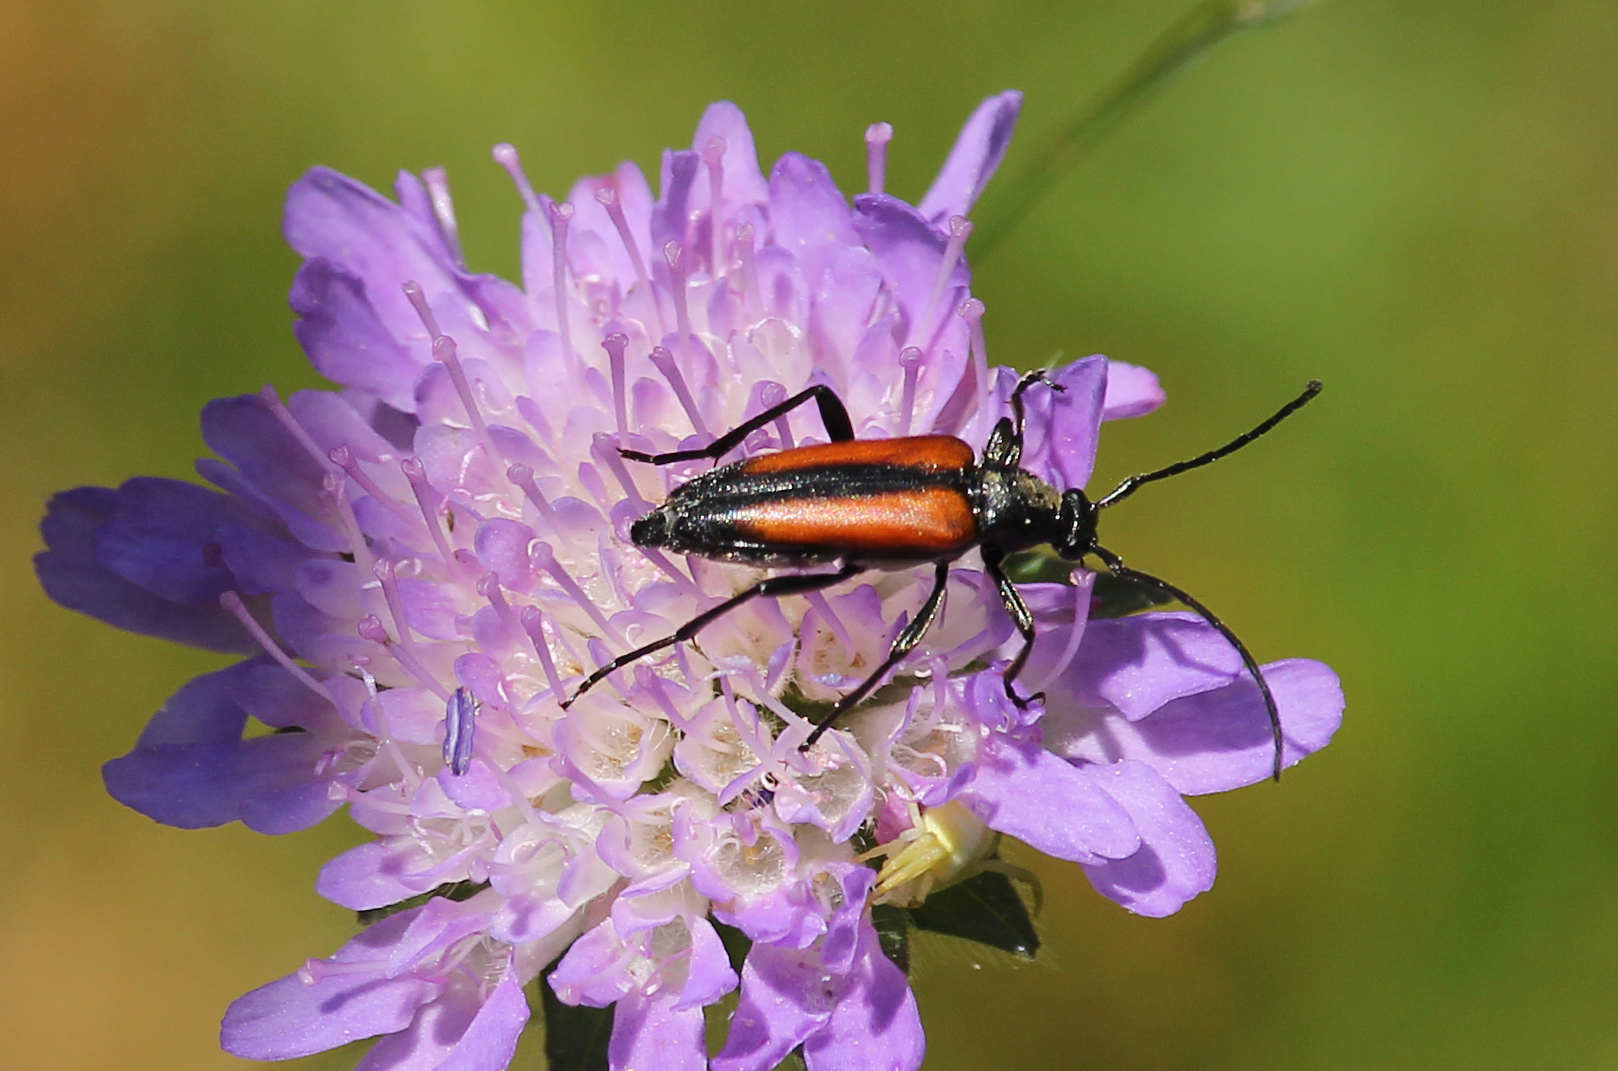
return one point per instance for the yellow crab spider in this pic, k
(943, 846)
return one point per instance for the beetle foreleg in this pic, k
(1022, 618)
(903, 644)
(790, 584)
(833, 414)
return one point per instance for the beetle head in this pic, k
(1077, 521)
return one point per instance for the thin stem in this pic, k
(1201, 30)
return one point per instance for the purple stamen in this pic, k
(232, 603)
(437, 183)
(607, 197)
(272, 401)
(615, 344)
(545, 558)
(674, 256)
(960, 229)
(605, 450)
(877, 136)
(337, 491)
(343, 457)
(769, 396)
(744, 256)
(460, 724)
(664, 362)
(560, 214)
(506, 156)
(418, 300)
(713, 154)
(416, 473)
(523, 477)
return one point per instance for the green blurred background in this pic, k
(1416, 202)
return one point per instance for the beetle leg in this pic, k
(833, 414)
(1116, 564)
(1021, 617)
(790, 584)
(903, 644)
(1005, 444)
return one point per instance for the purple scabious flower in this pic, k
(419, 566)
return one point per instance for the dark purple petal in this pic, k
(1176, 860)
(656, 1031)
(292, 1017)
(874, 1025)
(1216, 740)
(191, 769)
(72, 572)
(244, 432)
(1059, 443)
(159, 535)
(345, 340)
(978, 151)
(1026, 792)
(1132, 391)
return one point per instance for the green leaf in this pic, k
(1119, 596)
(893, 931)
(453, 890)
(737, 944)
(1038, 567)
(986, 909)
(575, 1037)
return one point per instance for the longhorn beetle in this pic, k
(867, 503)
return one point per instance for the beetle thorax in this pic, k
(1016, 509)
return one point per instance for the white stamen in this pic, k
(533, 624)
(972, 309)
(877, 136)
(910, 361)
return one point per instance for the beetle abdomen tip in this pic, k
(651, 530)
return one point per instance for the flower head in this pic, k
(420, 566)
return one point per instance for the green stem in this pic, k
(1199, 32)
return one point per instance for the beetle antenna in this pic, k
(1116, 564)
(1133, 483)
